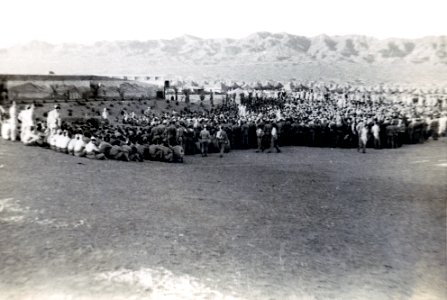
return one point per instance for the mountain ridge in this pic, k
(260, 48)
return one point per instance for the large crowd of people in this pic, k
(260, 121)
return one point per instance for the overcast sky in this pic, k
(87, 21)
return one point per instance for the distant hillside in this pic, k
(260, 56)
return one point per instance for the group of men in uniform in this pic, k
(264, 124)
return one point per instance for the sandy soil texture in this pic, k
(308, 223)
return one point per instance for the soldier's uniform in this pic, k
(222, 140)
(205, 138)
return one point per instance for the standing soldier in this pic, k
(222, 140)
(244, 134)
(180, 134)
(204, 140)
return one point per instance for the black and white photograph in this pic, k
(228, 150)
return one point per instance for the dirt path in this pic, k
(308, 223)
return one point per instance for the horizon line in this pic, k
(217, 38)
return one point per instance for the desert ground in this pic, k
(307, 223)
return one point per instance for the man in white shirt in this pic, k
(71, 145)
(63, 143)
(13, 121)
(31, 138)
(274, 142)
(259, 136)
(54, 119)
(105, 114)
(376, 134)
(6, 130)
(53, 139)
(26, 119)
(362, 131)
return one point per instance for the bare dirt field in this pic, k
(308, 223)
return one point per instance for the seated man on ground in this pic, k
(53, 138)
(105, 146)
(62, 142)
(79, 147)
(71, 144)
(92, 150)
(31, 137)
